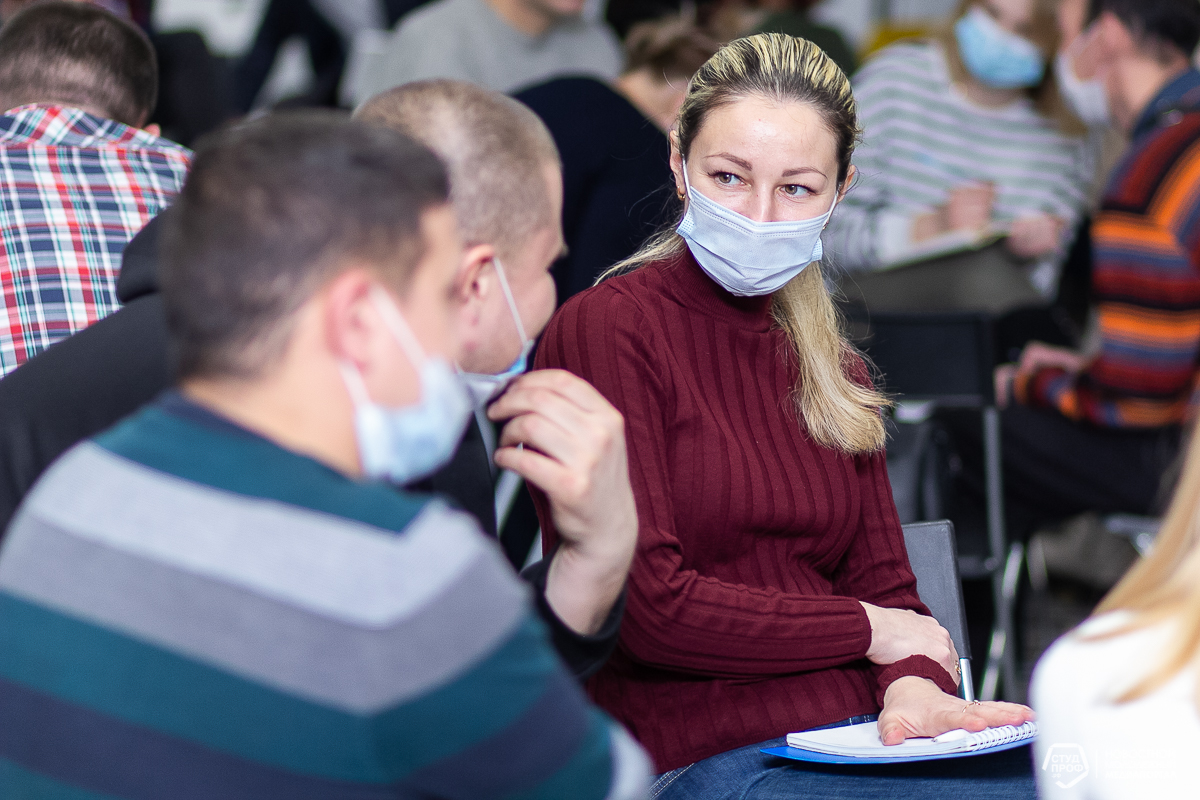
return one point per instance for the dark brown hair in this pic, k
(671, 48)
(78, 54)
(271, 211)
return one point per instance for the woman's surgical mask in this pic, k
(1088, 99)
(483, 387)
(406, 444)
(997, 57)
(748, 258)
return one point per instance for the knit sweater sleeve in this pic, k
(876, 569)
(676, 617)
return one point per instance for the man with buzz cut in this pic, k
(81, 171)
(223, 596)
(506, 188)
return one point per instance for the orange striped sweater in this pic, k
(1146, 280)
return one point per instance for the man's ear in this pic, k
(1115, 39)
(476, 276)
(349, 317)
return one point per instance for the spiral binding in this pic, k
(1001, 735)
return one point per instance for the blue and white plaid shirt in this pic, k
(74, 189)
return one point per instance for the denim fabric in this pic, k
(747, 774)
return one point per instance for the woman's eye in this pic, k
(795, 190)
(725, 178)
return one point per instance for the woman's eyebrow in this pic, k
(741, 162)
(802, 170)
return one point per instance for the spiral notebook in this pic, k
(860, 744)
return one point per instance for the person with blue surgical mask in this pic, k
(559, 434)
(965, 134)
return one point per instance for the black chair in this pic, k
(948, 359)
(934, 559)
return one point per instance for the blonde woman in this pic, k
(771, 591)
(1119, 696)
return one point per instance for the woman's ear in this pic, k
(846, 184)
(677, 166)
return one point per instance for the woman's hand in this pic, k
(968, 207)
(897, 633)
(916, 707)
(1031, 237)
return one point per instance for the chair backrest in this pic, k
(934, 560)
(946, 357)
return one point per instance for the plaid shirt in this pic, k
(74, 189)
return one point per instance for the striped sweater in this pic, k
(189, 611)
(922, 138)
(1145, 281)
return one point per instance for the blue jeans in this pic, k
(747, 774)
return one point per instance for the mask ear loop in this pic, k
(512, 302)
(355, 384)
(398, 326)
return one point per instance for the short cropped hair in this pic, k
(495, 148)
(79, 55)
(1174, 23)
(272, 211)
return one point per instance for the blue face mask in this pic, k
(483, 387)
(748, 258)
(405, 444)
(997, 57)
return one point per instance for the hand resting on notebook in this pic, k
(916, 707)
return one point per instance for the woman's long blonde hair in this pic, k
(1166, 585)
(838, 411)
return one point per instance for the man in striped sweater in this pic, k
(1098, 431)
(216, 598)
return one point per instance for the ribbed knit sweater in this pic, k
(755, 544)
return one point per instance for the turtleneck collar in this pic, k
(685, 281)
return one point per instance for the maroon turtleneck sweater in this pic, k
(755, 544)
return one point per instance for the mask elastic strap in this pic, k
(398, 326)
(355, 384)
(512, 302)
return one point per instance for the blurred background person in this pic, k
(1098, 430)
(613, 142)
(82, 169)
(1123, 686)
(729, 19)
(502, 45)
(962, 132)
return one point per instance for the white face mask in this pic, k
(406, 444)
(484, 387)
(1088, 99)
(748, 258)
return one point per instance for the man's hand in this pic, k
(1038, 355)
(897, 633)
(917, 707)
(574, 451)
